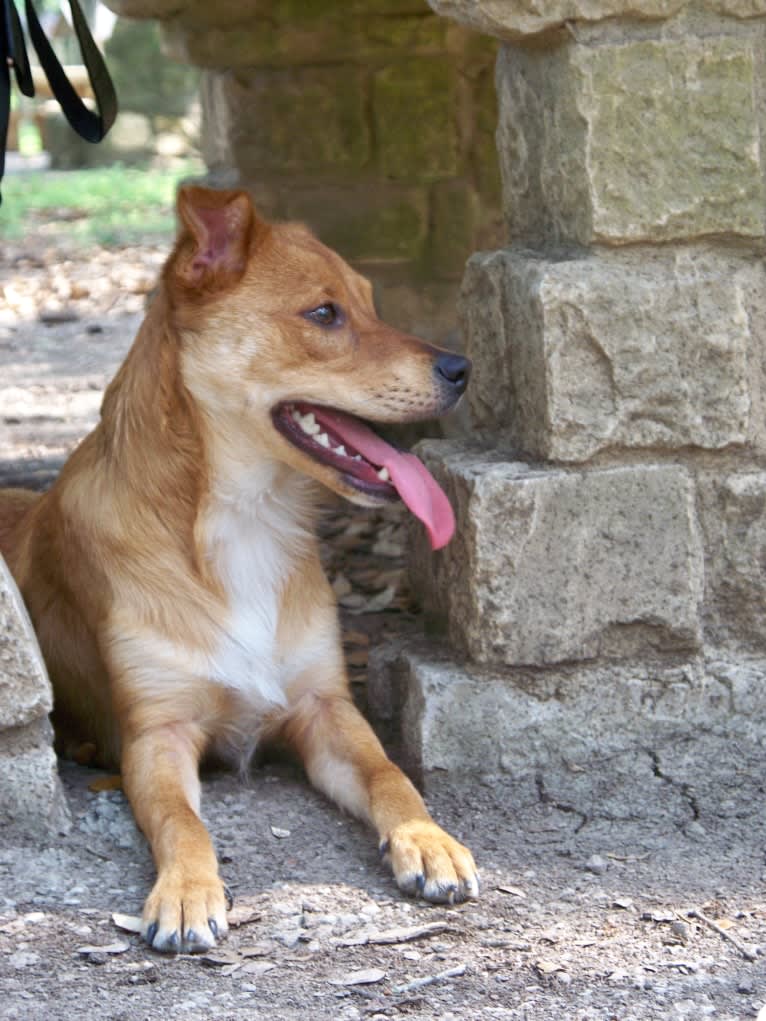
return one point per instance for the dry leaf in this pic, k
(257, 968)
(356, 638)
(106, 783)
(221, 958)
(547, 967)
(130, 923)
(255, 950)
(110, 948)
(243, 912)
(366, 977)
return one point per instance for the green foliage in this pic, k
(109, 206)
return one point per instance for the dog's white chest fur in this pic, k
(252, 547)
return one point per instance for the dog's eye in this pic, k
(328, 314)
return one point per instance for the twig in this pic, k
(429, 980)
(746, 952)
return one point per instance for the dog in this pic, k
(172, 571)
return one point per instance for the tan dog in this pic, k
(172, 572)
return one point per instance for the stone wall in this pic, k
(607, 584)
(373, 121)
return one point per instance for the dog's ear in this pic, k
(217, 232)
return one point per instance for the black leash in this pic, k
(91, 125)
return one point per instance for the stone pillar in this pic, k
(607, 586)
(31, 799)
(372, 121)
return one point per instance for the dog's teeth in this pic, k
(309, 424)
(340, 450)
(297, 416)
(383, 475)
(323, 439)
(358, 457)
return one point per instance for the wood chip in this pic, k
(366, 977)
(130, 923)
(110, 948)
(402, 935)
(514, 891)
(280, 834)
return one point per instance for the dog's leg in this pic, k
(344, 758)
(186, 910)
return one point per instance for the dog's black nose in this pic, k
(454, 370)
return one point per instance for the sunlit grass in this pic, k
(109, 206)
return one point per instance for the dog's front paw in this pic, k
(184, 913)
(428, 862)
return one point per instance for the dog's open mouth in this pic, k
(367, 463)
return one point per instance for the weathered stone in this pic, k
(551, 565)
(454, 212)
(30, 793)
(281, 121)
(364, 221)
(25, 691)
(649, 140)
(614, 350)
(31, 798)
(733, 516)
(513, 19)
(414, 114)
(237, 39)
(460, 717)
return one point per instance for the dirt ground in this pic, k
(613, 890)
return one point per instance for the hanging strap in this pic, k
(91, 125)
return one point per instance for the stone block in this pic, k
(550, 565)
(239, 37)
(643, 141)
(733, 517)
(617, 350)
(366, 220)
(25, 691)
(514, 19)
(31, 799)
(305, 120)
(414, 104)
(445, 715)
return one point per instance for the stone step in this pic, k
(443, 714)
(551, 565)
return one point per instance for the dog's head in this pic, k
(282, 348)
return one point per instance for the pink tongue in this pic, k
(412, 480)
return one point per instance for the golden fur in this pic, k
(172, 573)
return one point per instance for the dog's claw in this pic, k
(214, 925)
(151, 932)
